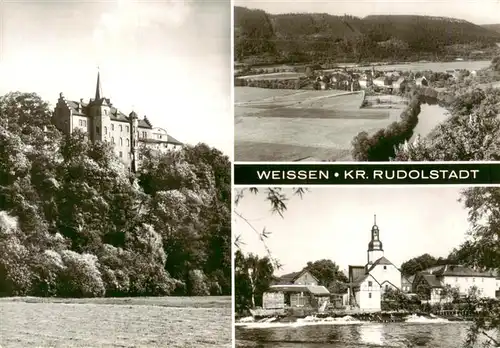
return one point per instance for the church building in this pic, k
(367, 283)
(102, 121)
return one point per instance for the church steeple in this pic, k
(375, 248)
(98, 89)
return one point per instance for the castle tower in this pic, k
(134, 140)
(100, 112)
(375, 249)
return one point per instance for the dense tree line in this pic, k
(272, 83)
(265, 38)
(381, 145)
(74, 223)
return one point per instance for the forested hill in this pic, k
(319, 36)
(493, 27)
(73, 223)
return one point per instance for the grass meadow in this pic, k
(297, 125)
(111, 322)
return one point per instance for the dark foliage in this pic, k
(315, 37)
(73, 224)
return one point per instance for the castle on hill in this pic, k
(102, 121)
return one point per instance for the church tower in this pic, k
(375, 249)
(100, 112)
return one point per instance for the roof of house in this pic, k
(358, 281)
(382, 261)
(317, 290)
(408, 280)
(170, 140)
(289, 278)
(80, 109)
(461, 271)
(432, 280)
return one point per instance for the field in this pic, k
(287, 125)
(125, 322)
(275, 76)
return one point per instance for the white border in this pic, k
(231, 108)
(353, 163)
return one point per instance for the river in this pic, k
(429, 117)
(432, 333)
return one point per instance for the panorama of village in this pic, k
(303, 94)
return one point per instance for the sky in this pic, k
(169, 60)
(475, 11)
(335, 223)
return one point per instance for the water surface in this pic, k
(364, 335)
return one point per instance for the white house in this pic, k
(464, 279)
(365, 294)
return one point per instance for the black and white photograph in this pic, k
(116, 141)
(356, 267)
(366, 80)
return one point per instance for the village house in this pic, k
(383, 82)
(296, 290)
(102, 121)
(459, 277)
(407, 284)
(421, 82)
(400, 84)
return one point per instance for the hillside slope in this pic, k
(492, 27)
(319, 36)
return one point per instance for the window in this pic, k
(369, 295)
(112, 127)
(370, 283)
(97, 129)
(106, 112)
(105, 130)
(112, 140)
(80, 122)
(121, 128)
(126, 128)
(84, 123)
(121, 154)
(144, 135)
(385, 267)
(128, 142)
(121, 142)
